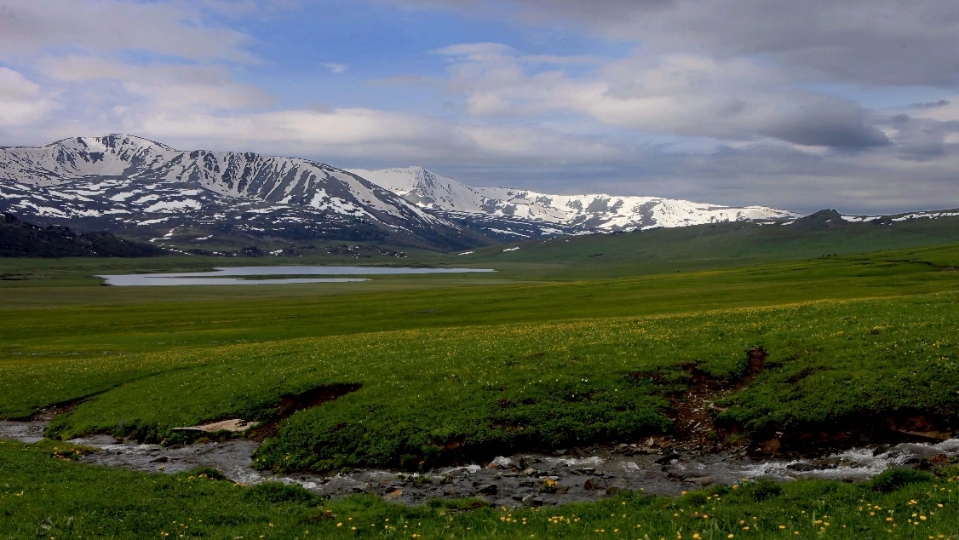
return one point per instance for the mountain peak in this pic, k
(112, 141)
(599, 212)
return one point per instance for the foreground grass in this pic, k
(44, 497)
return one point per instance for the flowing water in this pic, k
(507, 481)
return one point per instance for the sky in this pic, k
(847, 104)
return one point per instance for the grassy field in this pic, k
(556, 349)
(46, 498)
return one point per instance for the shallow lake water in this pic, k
(236, 275)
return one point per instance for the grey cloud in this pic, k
(169, 28)
(828, 123)
(930, 104)
(885, 42)
(680, 94)
(922, 139)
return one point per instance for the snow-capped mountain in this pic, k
(122, 181)
(593, 212)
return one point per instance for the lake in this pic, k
(236, 275)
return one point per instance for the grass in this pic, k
(451, 385)
(432, 395)
(200, 317)
(541, 355)
(46, 498)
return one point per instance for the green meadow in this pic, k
(568, 344)
(43, 495)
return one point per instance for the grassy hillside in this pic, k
(724, 244)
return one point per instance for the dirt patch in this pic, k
(291, 403)
(695, 428)
(51, 412)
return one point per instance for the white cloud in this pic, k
(678, 94)
(22, 102)
(885, 42)
(336, 69)
(707, 107)
(163, 86)
(476, 51)
(370, 134)
(175, 29)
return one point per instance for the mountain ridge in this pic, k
(128, 182)
(588, 212)
(147, 189)
(20, 239)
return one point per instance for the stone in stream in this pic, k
(702, 480)
(488, 489)
(667, 458)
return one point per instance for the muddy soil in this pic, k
(526, 479)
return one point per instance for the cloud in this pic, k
(923, 139)
(476, 50)
(884, 42)
(163, 86)
(678, 94)
(712, 102)
(930, 104)
(22, 102)
(336, 69)
(176, 29)
(369, 135)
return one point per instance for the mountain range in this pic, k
(555, 213)
(142, 188)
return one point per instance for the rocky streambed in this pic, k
(524, 479)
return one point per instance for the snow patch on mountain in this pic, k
(594, 212)
(114, 175)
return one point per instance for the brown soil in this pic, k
(695, 427)
(51, 412)
(292, 403)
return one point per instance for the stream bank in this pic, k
(522, 479)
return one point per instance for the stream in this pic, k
(513, 480)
